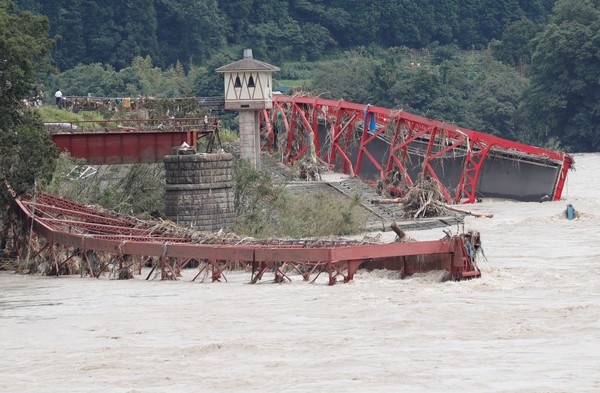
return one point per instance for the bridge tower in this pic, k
(248, 90)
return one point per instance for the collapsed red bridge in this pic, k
(70, 233)
(397, 147)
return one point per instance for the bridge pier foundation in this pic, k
(199, 191)
(250, 137)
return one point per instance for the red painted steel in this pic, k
(129, 141)
(347, 121)
(79, 230)
(121, 147)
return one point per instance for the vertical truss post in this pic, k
(268, 122)
(563, 177)
(474, 161)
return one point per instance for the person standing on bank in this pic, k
(58, 95)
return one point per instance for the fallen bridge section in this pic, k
(68, 233)
(395, 149)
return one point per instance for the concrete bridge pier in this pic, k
(250, 137)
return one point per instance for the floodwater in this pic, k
(530, 324)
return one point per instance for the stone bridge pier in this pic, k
(199, 190)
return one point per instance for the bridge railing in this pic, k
(136, 125)
(178, 105)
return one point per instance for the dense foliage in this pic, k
(468, 89)
(140, 78)
(563, 102)
(127, 189)
(26, 152)
(114, 32)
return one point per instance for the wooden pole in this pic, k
(475, 214)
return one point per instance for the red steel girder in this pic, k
(102, 228)
(129, 141)
(468, 181)
(402, 129)
(73, 209)
(122, 147)
(40, 207)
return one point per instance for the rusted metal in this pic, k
(81, 231)
(379, 144)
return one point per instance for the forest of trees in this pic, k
(522, 69)
(113, 32)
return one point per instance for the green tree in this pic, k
(136, 26)
(176, 83)
(563, 101)
(238, 14)
(537, 10)
(386, 73)
(349, 79)
(189, 30)
(496, 98)
(68, 25)
(94, 79)
(417, 89)
(114, 32)
(514, 49)
(205, 82)
(101, 34)
(142, 78)
(467, 89)
(26, 151)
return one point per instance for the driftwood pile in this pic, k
(425, 199)
(312, 170)
(309, 172)
(166, 227)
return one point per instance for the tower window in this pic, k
(251, 82)
(237, 83)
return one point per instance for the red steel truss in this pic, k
(67, 231)
(349, 148)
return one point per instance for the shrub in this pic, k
(265, 209)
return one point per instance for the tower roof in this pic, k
(248, 64)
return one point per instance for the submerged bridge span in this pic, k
(74, 238)
(387, 146)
